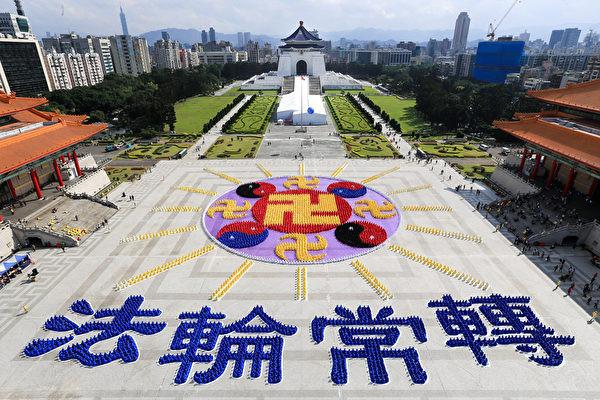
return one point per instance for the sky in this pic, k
(280, 17)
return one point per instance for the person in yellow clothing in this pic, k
(594, 316)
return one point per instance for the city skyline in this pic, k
(144, 16)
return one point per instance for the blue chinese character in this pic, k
(120, 323)
(376, 336)
(513, 321)
(202, 333)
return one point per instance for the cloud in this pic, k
(279, 17)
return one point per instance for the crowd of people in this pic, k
(526, 215)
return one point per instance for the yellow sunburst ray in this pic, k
(159, 269)
(197, 190)
(157, 234)
(174, 209)
(339, 170)
(410, 189)
(438, 266)
(265, 171)
(439, 232)
(377, 286)
(379, 175)
(224, 176)
(301, 284)
(426, 208)
(231, 280)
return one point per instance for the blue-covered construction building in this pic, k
(495, 60)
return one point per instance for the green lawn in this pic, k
(194, 112)
(244, 146)
(479, 172)
(461, 150)
(122, 174)
(368, 146)
(255, 118)
(402, 111)
(347, 118)
(366, 90)
(236, 91)
(157, 151)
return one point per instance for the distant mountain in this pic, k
(360, 35)
(414, 35)
(191, 36)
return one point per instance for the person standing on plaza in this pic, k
(558, 282)
(594, 316)
(571, 288)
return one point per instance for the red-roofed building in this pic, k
(565, 140)
(35, 146)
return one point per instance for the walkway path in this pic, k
(282, 141)
(227, 88)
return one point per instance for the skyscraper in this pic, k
(130, 54)
(22, 68)
(555, 37)
(165, 36)
(124, 23)
(212, 35)
(16, 25)
(525, 36)
(461, 32)
(240, 40)
(247, 37)
(204, 37)
(570, 38)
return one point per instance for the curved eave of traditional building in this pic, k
(575, 145)
(19, 151)
(10, 105)
(302, 46)
(581, 96)
(301, 34)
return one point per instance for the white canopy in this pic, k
(295, 106)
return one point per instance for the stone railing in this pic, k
(512, 183)
(556, 235)
(95, 199)
(24, 233)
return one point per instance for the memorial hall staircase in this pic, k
(314, 83)
(288, 85)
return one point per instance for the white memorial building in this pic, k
(302, 54)
(302, 77)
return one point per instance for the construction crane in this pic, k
(492, 31)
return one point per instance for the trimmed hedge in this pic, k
(208, 126)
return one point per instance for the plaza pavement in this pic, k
(91, 271)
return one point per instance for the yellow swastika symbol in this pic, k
(301, 182)
(229, 208)
(377, 211)
(301, 209)
(301, 246)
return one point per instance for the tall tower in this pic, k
(461, 32)
(124, 23)
(211, 34)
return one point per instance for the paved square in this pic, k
(92, 271)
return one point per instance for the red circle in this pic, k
(292, 212)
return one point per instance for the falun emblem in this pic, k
(301, 220)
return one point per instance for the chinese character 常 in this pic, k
(109, 323)
(242, 342)
(374, 338)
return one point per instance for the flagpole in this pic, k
(301, 104)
